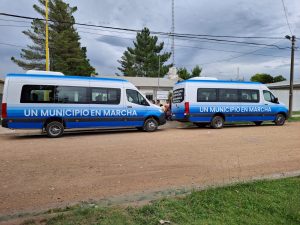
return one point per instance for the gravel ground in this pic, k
(38, 173)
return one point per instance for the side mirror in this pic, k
(276, 100)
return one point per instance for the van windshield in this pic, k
(178, 95)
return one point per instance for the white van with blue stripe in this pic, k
(208, 101)
(55, 102)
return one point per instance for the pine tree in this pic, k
(66, 53)
(145, 59)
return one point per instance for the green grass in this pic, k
(262, 202)
(294, 119)
(296, 113)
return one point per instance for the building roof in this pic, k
(148, 81)
(284, 84)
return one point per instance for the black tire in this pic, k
(54, 129)
(217, 122)
(201, 124)
(150, 125)
(257, 123)
(280, 119)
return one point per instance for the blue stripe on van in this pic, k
(218, 81)
(67, 77)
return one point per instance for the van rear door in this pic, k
(179, 107)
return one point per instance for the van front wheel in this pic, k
(150, 125)
(280, 119)
(54, 129)
(217, 122)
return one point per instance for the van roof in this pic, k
(65, 77)
(218, 81)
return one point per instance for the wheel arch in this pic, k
(51, 119)
(219, 114)
(283, 113)
(152, 116)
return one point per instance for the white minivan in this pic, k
(208, 101)
(54, 102)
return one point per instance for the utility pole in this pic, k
(47, 37)
(293, 40)
(173, 30)
(158, 76)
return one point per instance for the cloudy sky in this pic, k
(214, 17)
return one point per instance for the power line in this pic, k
(286, 17)
(178, 35)
(222, 50)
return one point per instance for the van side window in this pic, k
(206, 95)
(249, 95)
(111, 96)
(268, 96)
(228, 95)
(135, 97)
(72, 95)
(37, 94)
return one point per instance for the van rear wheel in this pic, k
(280, 119)
(217, 122)
(54, 129)
(150, 125)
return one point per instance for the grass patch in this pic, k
(262, 202)
(294, 119)
(296, 113)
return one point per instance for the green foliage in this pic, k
(184, 74)
(262, 202)
(144, 59)
(196, 71)
(266, 78)
(66, 53)
(278, 78)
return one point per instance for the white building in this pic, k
(281, 90)
(153, 88)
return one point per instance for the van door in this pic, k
(270, 105)
(137, 107)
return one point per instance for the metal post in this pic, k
(47, 37)
(293, 39)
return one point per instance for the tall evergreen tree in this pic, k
(144, 59)
(66, 53)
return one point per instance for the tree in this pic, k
(266, 78)
(144, 59)
(196, 71)
(278, 78)
(184, 74)
(66, 53)
(262, 78)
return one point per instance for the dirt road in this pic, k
(37, 173)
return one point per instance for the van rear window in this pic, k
(178, 95)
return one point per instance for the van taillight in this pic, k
(4, 110)
(186, 108)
